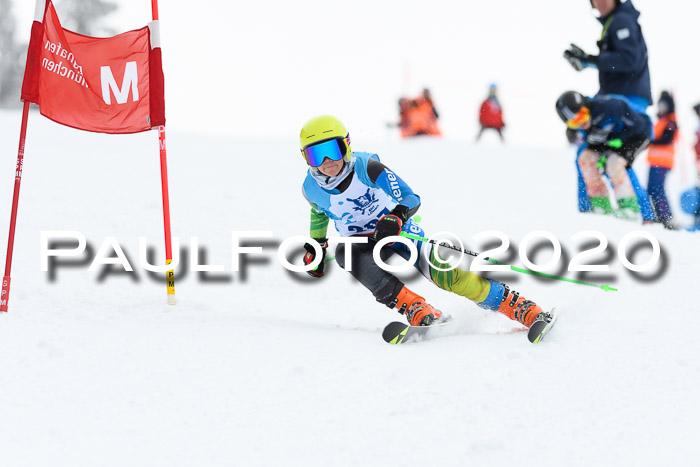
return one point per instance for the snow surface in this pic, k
(272, 368)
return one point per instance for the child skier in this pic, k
(366, 198)
(615, 134)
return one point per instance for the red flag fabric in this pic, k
(106, 85)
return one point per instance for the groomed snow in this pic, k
(279, 369)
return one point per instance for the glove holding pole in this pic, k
(580, 59)
(391, 224)
(310, 256)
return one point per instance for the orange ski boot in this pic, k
(518, 308)
(417, 311)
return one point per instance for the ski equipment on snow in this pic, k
(541, 326)
(400, 333)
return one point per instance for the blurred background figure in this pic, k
(404, 124)
(622, 62)
(662, 151)
(491, 114)
(690, 203)
(623, 72)
(428, 98)
(418, 116)
(697, 138)
(615, 134)
(690, 200)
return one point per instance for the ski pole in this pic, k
(605, 287)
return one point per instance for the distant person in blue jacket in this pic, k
(614, 134)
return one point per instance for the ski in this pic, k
(541, 327)
(400, 333)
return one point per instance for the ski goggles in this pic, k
(581, 117)
(333, 149)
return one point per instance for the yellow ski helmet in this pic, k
(324, 136)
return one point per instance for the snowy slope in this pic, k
(270, 368)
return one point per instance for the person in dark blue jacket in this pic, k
(623, 73)
(614, 134)
(623, 57)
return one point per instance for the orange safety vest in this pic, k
(420, 120)
(662, 155)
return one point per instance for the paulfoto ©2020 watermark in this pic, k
(56, 245)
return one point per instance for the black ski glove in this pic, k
(574, 136)
(391, 224)
(580, 59)
(311, 255)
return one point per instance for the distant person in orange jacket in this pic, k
(662, 151)
(491, 114)
(419, 116)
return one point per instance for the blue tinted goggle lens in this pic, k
(317, 153)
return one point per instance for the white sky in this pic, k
(263, 68)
